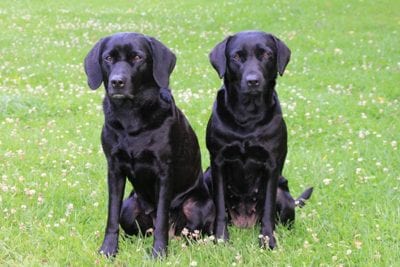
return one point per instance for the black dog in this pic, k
(146, 139)
(247, 137)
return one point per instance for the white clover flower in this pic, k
(394, 144)
(185, 231)
(327, 181)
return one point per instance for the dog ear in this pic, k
(283, 53)
(92, 66)
(163, 62)
(218, 57)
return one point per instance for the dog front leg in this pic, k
(116, 187)
(160, 243)
(220, 224)
(267, 238)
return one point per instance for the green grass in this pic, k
(340, 96)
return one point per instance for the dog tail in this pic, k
(301, 200)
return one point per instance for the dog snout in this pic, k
(252, 80)
(118, 81)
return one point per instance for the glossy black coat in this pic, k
(247, 136)
(147, 140)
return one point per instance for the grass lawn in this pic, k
(340, 96)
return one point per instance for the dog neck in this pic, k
(145, 109)
(249, 108)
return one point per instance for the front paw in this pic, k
(109, 248)
(159, 250)
(266, 241)
(222, 235)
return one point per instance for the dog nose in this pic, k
(117, 82)
(252, 80)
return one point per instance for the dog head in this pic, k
(125, 62)
(250, 60)
(243, 212)
(244, 199)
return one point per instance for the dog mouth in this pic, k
(122, 96)
(244, 220)
(243, 215)
(253, 92)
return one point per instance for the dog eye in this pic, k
(109, 58)
(136, 58)
(266, 55)
(237, 57)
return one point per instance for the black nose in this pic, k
(252, 80)
(117, 82)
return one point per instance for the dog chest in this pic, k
(244, 166)
(246, 154)
(142, 154)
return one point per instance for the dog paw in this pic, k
(266, 241)
(108, 252)
(159, 250)
(222, 236)
(109, 248)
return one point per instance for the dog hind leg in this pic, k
(133, 219)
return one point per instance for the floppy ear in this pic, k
(163, 62)
(93, 68)
(218, 58)
(283, 53)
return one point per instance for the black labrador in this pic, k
(148, 140)
(247, 137)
